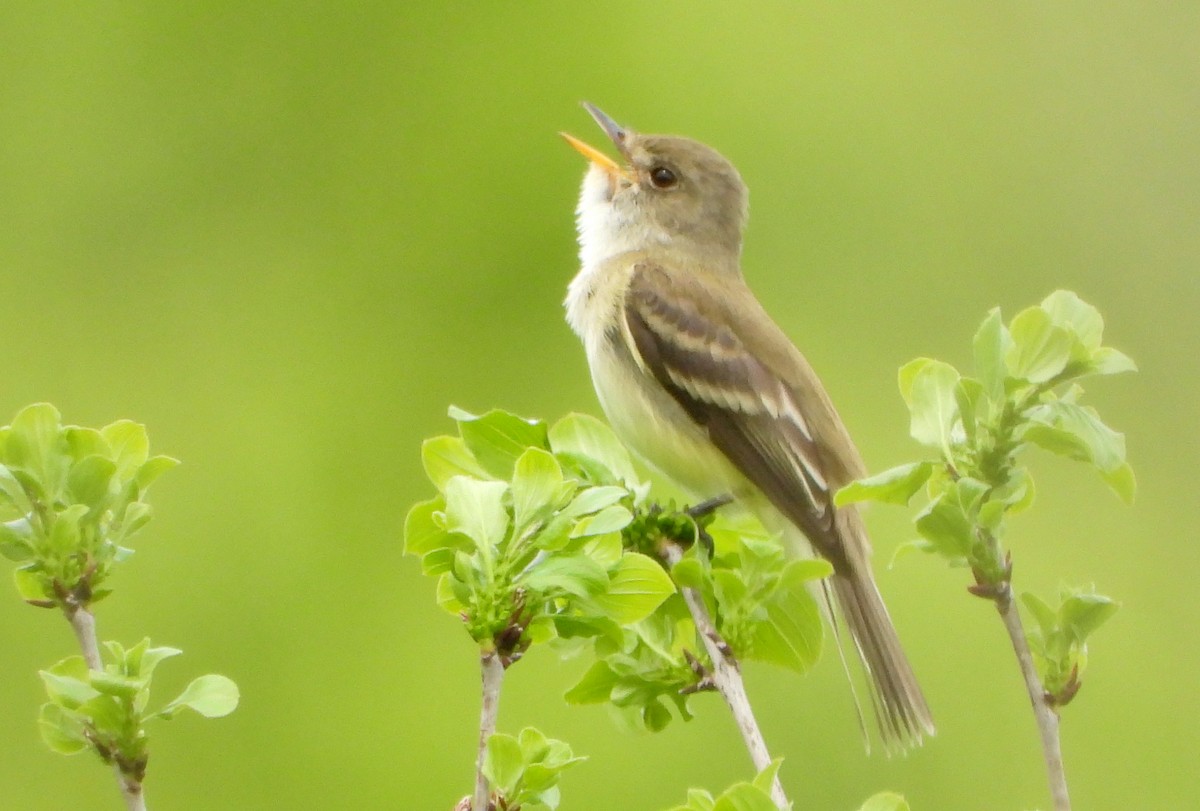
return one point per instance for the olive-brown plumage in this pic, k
(697, 378)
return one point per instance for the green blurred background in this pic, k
(287, 235)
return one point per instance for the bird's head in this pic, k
(666, 192)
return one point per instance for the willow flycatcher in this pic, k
(696, 377)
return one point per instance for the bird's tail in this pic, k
(900, 709)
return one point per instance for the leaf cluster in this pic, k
(754, 795)
(525, 533)
(1058, 638)
(106, 710)
(70, 500)
(760, 596)
(525, 770)
(543, 534)
(761, 607)
(1025, 393)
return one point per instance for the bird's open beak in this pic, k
(597, 157)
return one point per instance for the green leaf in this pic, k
(972, 402)
(1083, 613)
(611, 519)
(745, 797)
(928, 387)
(110, 716)
(1109, 361)
(794, 630)
(423, 532)
(1076, 432)
(62, 730)
(476, 509)
(90, 480)
(991, 345)
(906, 548)
(655, 715)
(535, 746)
(445, 457)
(589, 627)
(555, 534)
(130, 446)
(67, 682)
(136, 516)
(1045, 616)
(605, 549)
(766, 778)
(439, 561)
(1070, 312)
(16, 540)
(895, 486)
(33, 445)
(1040, 349)
(593, 499)
(213, 696)
(113, 650)
(575, 574)
(948, 522)
(638, 585)
(541, 630)
(12, 491)
(31, 583)
(86, 442)
(689, 572)
(1122, 482)
(594, 687)
(587, 436)
(151, 657)
(545, 760)
(497, 439)
(154, 467)
(64, 535)
(112, 684)
(448, 588)
(503, 763)
(1017, 494)
(885, 801)
(536, 486)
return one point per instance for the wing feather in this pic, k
(684, 336)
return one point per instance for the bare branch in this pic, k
(492, 674)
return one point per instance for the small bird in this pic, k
(695, 376)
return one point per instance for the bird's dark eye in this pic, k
(662, 177)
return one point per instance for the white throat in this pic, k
(606, 230)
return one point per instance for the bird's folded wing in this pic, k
(726, 378)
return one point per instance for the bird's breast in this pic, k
(652, 424)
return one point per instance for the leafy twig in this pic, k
(1047, 717)
(727, 678)
(1025, 393)
(999, 590)
(70, 500)
(84, 626)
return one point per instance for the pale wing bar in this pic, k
(748, 413)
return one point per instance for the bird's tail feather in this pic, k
(900, 709)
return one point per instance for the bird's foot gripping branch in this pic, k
(545, 535)
(1025, 393)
